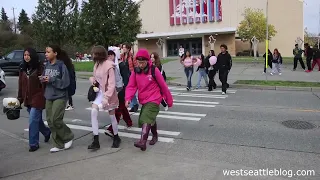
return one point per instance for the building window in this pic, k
(193, 45)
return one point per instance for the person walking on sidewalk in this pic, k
(151, 92)
(31, 93)
(155, 59)
(211, 70)
(276, 62)
(308, 52)
(122, 109)
(131, 62)
(104, 75)
(269, 61)
(224, 64)
(72, 74)
(316, 58)
(202, 72)
(56, 79)
(297, 52)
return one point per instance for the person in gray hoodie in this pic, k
(56, 79)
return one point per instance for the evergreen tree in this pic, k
(109, 22)
(23, 22)
(54, 21)
(4, 16)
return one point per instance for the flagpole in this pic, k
(267, 36)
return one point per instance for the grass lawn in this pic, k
(278, 83)
(87, 76)
(244, 59)
(88, 66)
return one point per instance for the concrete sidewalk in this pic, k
(240, 71)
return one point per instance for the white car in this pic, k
(2, 79)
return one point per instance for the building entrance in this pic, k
(194, 46)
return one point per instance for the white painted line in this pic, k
(202, 90)
(196, 102)
(196, 105)
(199, 95)
(135, 129)
(121, 134)
(76, 120)
(174, 117)
(171, 112)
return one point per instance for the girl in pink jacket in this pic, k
(107, 98)
(151, 92)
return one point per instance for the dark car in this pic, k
(11, 62)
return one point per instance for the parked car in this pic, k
(2, 79)
(11, 62)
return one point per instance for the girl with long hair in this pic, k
(211, 71)
(276, 62)
(188, 61)
(31, 94)
(202, 72)
(107, 98)
(68, 62)
(57, 80)
(155, 59)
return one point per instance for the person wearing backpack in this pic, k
(104, 74)
(157, 63)
(152, 89)
(72, 74)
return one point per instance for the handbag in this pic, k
(91, 93)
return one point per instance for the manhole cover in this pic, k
(295, 124)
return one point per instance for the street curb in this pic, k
(277, 88)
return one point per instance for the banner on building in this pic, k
(194, 11)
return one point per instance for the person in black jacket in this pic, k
(270, 57)
(155, 58)
(211, 71)
(122, 109)
(224, 64)
(308, 52)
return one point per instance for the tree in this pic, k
(53, 22)
(4, 16)
(310, 38)
(254, 24)
(109, 22)
(23, 22)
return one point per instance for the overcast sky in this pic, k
(311, 11)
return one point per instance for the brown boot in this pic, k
(154, 139)
(142, 144)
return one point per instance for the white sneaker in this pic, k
(69, 108)
(68, 145)
(166, 108)
(280, 74)
(223, 93)
(55, 149)
(271, 74)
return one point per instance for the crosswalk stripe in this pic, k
(196, 102)
(201, 90)
(135, 129)
(169, 112)
(196, 105)
(121, 134)
(174, 117)
(199, 95)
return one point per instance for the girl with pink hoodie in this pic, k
(107, 98)
(151, 92)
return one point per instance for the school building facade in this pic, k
(190, 23)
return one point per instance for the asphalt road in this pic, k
(202, 135)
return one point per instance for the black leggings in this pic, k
(164, 104)
(70, 101)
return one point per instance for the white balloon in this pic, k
(212, 60)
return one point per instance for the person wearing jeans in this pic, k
(202, 72)
(187, 61)
(31, 94)
(276, 62)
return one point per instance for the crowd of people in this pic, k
(118, 78)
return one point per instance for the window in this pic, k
(10, 56)
(18, 55)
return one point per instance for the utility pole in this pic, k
(14, 20)
(319, 30)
